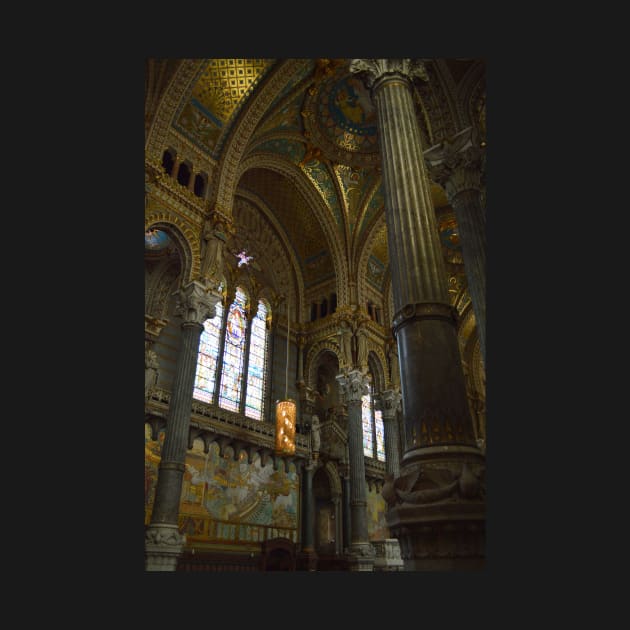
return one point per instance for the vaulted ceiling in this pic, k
(317, 133)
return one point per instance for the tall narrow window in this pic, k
(233, 355)
(373, 430)
(256, 367)
(208, 357)
(368, 424)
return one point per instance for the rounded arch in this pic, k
(160, 285)
(316, 203)
(228, 171)
(184, 236)
(334, 479)
(363, 251)
(469, 90)
(295, 277)
(377, 364)
(182, 82)
(312, 356)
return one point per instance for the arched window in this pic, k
(256, 365)
(234, 354)
(208, 357)
(373, 430)
(221, 358)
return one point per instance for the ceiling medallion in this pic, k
(340, 119)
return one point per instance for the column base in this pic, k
(388, 556)
(361, 557)
(163, 545)
(307, 560)
(440, 537)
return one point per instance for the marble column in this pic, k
(353, 385)
(388, 402)
(308, 554)
(436, 506)
(163, 542)
(457, 166)
(347, 518)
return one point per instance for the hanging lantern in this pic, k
(285, 426)
(285, 412)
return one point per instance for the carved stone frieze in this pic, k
(452, 482)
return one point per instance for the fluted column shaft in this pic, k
(353, 386)
(389, 401)
(457, 165)
(471, 220)
(435, 406)
(347, 517)
(308, 528)
(162, 538)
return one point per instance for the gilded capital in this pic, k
(371, 70)
(353, 386)
(195, 303)
(389, 402)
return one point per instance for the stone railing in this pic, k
(227, 428)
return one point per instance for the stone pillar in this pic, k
(163, 542)
(308, 555)
(301, 342)
(457, 166)
(176, 165)
(346, 518)
(388, 401)
(191, 180)
(353, 386)
(436, 506)
(336, 501)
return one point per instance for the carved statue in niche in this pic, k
(212, 252)
(362, 349)
(345, 345)
(150, 369)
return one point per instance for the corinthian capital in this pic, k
(195, 303)
(389, 401)
(373, 69)
(353, 386)
(456, 164)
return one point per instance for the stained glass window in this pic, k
(366, 419)
(256, 366)
(380, 432)
(208, 357)
(233, 354)
(373, 429)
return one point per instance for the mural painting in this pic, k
(228, 501)
(377, 526)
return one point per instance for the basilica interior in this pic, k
(314, 233)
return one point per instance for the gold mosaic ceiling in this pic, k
(222, 86)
